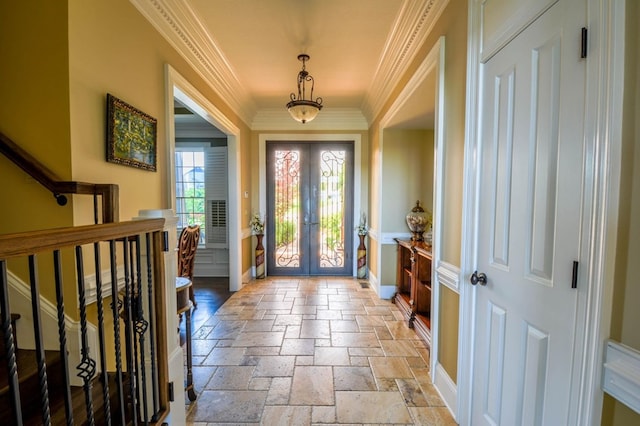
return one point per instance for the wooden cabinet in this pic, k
(413, 282)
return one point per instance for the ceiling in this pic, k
(247, 50)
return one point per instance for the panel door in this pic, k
(531, 133)
(310, 208)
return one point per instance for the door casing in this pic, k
(359, 184)
(603, 105)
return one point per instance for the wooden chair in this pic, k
(187, 246)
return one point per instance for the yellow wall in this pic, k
(626, 315)
(34, 111)
(448, 347)
(407, 175)
(454, 28)
(59, 60)
(114, 49)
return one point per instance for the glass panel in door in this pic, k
(309, 219)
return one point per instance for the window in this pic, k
(190, 189)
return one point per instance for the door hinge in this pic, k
(574, 275)
(170, 391)
(583, 44)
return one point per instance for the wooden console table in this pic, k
(413, 286)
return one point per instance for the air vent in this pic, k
(217, 222)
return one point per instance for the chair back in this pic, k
(187, 245)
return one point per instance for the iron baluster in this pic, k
(115, 309)
(141, 328)
(101, 339)
(7, 329)
(128, 332)
(37, 333)
(87, 366)
(62, 336)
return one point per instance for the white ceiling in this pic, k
(247, 50)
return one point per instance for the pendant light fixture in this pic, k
(300, 108)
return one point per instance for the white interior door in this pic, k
(531, 138)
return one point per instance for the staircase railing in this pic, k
(107, 192)
(131, 367)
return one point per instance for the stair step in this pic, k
(28, 380)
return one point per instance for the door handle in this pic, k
(478, 278)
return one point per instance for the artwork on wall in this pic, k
(131, 135)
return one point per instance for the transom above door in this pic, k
(309, 208)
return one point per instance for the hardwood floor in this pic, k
(210, 295)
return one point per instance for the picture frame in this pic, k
(131, 135)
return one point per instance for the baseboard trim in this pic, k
(447, 389)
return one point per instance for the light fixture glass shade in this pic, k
(303, 111)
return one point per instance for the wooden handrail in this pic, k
(26, 243)
(38, 171)
(139, 320)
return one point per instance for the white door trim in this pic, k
(603, 112)
(176, 86)
(434, 62)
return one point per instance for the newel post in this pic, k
(175, 358)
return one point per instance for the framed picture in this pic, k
(131, 135)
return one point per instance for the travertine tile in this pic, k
(331, 356)
(338, 326)
(275, 366)
(315, 329)
(368, 340)
(312, 386)
(353, 379)
(227, 329)
(411, 392)
(436, 416)
(371, 407)
(259, 338)
(283, 415)
(323, 414)
(225, 356)
(279, 391)
(402, 348)
(288, 320)
(228, 406)
(231, 378)
(390, 368)
(289, 351)
(259, 325)
(298, 347)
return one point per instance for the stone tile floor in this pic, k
(311, 351)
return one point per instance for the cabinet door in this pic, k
(422, 284)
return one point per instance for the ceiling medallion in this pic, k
(300, 108)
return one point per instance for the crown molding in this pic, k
(414, 23)
(176, 21)
(327, 119)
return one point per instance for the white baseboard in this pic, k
(447, 389)
(384, 291)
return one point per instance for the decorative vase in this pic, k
(362, 258)
(417, 220)
(259, 257)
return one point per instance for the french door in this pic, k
(310, 208)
